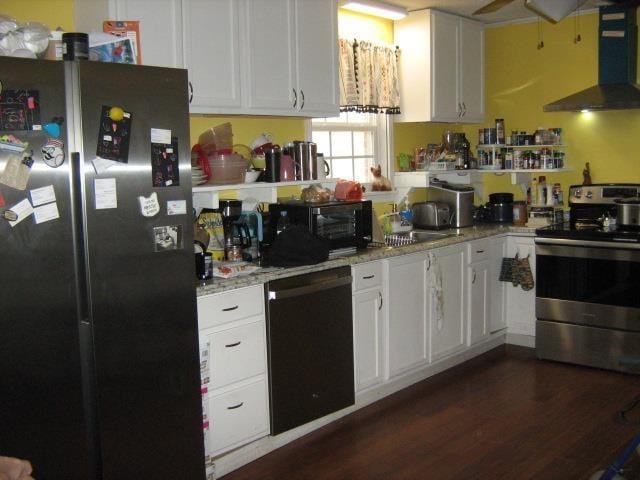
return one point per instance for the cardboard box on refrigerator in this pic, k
(128, 29)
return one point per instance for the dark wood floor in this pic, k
(504, 415)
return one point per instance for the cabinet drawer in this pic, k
(226, 307)
(366, 275)
(478, 250)
(237, 353)
(237, 416)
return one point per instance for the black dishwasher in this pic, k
(310, 347)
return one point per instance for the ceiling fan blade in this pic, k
(492, 6)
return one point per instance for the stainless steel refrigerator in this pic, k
(99, 367)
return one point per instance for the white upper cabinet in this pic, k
(270, 41)
(254, 57)
(292, 57)
(211, 38)
(317, 58)
(160, 25)
(441, 68)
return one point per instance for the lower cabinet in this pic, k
(478, 281)
(448, 315)
(408, 330)
(368, 325)
(233, 368)
(497, 289)
(521, 304)
(237, 415)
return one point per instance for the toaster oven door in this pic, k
(340, 225)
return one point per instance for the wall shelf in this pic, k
(207, 196)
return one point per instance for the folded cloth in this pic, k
(296, 246)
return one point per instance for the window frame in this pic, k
(383, 140)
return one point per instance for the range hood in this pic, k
(617, 68)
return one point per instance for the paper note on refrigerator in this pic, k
(46, 212)
(106, 193)
(42, 195)
(22, 209)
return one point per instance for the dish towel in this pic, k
(435, 279)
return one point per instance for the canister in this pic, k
(75, 46)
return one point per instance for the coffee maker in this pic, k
(236, 234)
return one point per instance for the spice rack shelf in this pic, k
(551, 159)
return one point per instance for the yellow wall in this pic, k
(53, 13)
(520, 79)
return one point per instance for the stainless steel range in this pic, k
(588, 282)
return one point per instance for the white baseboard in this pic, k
(522, 340)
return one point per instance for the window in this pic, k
(353, 143)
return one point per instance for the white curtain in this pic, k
(369, 77)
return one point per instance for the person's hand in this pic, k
(14, 469)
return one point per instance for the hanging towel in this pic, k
(435, 279)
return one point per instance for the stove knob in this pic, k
(577, 193)
(589, 194)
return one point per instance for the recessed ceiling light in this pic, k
(376, 8)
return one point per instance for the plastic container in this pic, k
(227, 169)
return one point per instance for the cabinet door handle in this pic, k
(230, 309)
(459, 110)
(231, 345)
(368, 277)
(380, 294)
(473, 280)
(464, 109)
(429, 266)
(190, 92)
(479, 251)
(295, 97)
(302, 104)
(233, 407)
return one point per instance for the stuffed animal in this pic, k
(380, 183)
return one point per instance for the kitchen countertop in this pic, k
(266, 274)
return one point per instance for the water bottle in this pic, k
(283, 222)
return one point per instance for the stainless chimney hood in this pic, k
(617, 69)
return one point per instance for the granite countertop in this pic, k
(266, 274)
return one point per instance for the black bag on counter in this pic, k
(296, 246)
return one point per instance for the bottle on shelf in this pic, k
(534, 191)
(542, 190)
(500, 131)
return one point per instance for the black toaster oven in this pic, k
(343, 224)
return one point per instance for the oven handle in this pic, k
(614, 244)
(347, 208)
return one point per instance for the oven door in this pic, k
(588, 301)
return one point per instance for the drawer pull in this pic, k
(479, 251)
(368, 277)
(231, 345)
(233, 407)
(230, 309)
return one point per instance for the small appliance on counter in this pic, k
(344, 225)
(458, 197)
(499, 209)
(431, 215)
